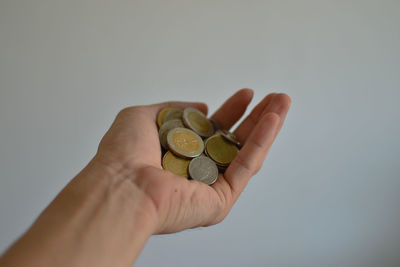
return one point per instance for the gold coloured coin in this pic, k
(231, 137)
(165, 128)
(195, 120)
(185, 143)
(176, 165)
(221, 150)
(221, 167)
(161, 114)
(173, 114)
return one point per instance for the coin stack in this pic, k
(194, 146)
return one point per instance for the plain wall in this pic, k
(328, 193)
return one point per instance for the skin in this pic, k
(105, 215)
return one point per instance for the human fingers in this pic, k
(233, 108)
(250, 158)
(277, 103)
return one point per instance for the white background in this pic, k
(328, 193)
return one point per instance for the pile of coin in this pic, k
(194, 146)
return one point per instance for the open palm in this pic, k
(132, 148)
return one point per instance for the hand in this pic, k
(131, 148)
(105, 215)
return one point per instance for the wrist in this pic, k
(101, 218)
(115, 218)
(132, 214)
(121, 179)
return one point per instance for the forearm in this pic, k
(100, 219)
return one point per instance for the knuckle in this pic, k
(257, 144)
(166, 104)
(125, 111)
(130, 110)
(218, 217)
(243, 164)
(257, 168)
(223, 213)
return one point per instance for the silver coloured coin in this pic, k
(229, 136)
(173, 115)
(185, 143)
(165, 128)
(203, 169)
(195, 120)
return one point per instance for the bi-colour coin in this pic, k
(176, 165)
(221, 150)
(185, 143)
(161, 115)
(203, 169)
(165, 128)
(195, 120)
(231, 137)
(173, 114)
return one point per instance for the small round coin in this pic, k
(220, 150)
(205, 146)
(165, 128)
(173, 114)
(231, 137)
(203, 169)
(161, 115)
(195, 120)
(176, 165)
(185, 143)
